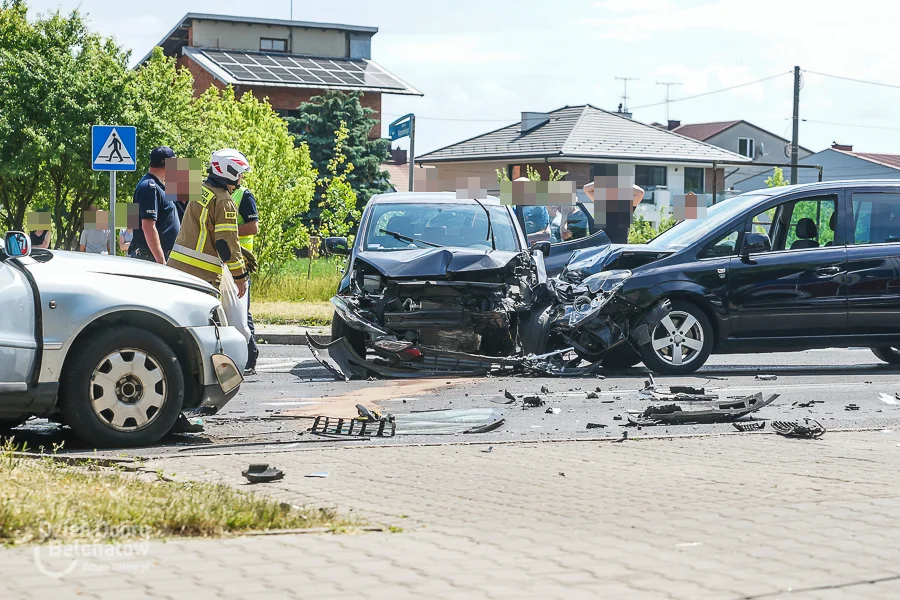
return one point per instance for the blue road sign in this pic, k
(401, 127)
(113, 147)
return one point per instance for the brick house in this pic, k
(588, 142)
(287, 62)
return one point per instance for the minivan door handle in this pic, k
(827, 271)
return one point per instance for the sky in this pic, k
(481, 63)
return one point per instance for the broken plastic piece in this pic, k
(321, 475)
(749, 426)
(533, 401)
(358, 427)
(596, 426)
(766, 377)
(851, 406)
(696, 412)
(553, 411)
(509, 395)
(262, 473)
(545, 389)
(808, 429)
(687, 389)
(592, 395)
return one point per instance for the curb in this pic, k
(290, 339)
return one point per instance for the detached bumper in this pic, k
(234, 344)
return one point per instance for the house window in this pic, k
(693, 180)
(272, 45)
(649, 179)
(747, 147)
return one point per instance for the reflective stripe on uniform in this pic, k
(246, 241)
(194, 262)
(225, 227)
(197, 255)
(236, 265)
(201, 239)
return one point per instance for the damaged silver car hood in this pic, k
(436, 262)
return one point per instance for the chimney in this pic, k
(673, 124)
(398, 156)
(530, 120)
(844, 147)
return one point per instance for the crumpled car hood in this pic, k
(594, 260)
(125, 267)
(436, 262)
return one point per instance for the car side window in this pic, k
(811, 224)
(798, 224)
(724, 246)
(876, 218)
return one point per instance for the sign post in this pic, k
(113, 148)
(403, 127)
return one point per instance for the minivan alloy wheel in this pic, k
(128, 389)
(678, 338)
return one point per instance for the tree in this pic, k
(777, 179)
(56, 80)
(283, 178)
(320, 118)
(338, 206)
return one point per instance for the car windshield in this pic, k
(429, 225)
(691, 231)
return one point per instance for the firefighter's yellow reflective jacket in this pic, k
(209, 238)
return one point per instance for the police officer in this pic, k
(154, 239)
(209, 232)
(248, 227)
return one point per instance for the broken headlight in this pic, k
(601, 288)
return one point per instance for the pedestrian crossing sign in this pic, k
(113, 148)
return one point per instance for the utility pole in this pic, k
(625, 81)
(795, 144)
(668, 85)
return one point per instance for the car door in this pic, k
(18, 345)
(571, 228)
(873, 262)
(796, 288)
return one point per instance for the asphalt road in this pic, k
(273, 407)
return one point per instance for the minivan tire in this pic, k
(888, 354)
(133, 358)
(659, 353)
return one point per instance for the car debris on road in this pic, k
(808, 429)
(262, 473)
(699, 412)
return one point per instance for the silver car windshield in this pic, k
(401, 226)
(690, 232)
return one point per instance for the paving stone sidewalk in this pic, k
(740, 516)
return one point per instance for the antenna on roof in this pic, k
(292, 10)
(668, 85)
(625, 81)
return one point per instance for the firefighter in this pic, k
(209, 233)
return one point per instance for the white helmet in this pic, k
(228, 164)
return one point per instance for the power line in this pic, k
(851, 125)
(878, 83)
(733, 87)
(451, 119)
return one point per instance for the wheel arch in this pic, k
(180, 343)
(697, 297)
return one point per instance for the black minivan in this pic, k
(789, 268)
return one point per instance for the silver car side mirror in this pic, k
(227, 373)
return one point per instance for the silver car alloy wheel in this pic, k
(128, 389)
(678, 339)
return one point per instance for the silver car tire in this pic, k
(123, 387)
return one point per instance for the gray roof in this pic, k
(584, 132)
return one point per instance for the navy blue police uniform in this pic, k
(150, 196)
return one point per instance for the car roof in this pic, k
(838, 183)
(429, 198)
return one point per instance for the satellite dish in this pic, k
(787, 150)
(762, 149)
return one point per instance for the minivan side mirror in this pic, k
(18, 244)
(542, 247)
(754, 243)
(337, 245)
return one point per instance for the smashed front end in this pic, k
(441, 311)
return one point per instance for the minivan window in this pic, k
(798, 224)
(876, 218)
